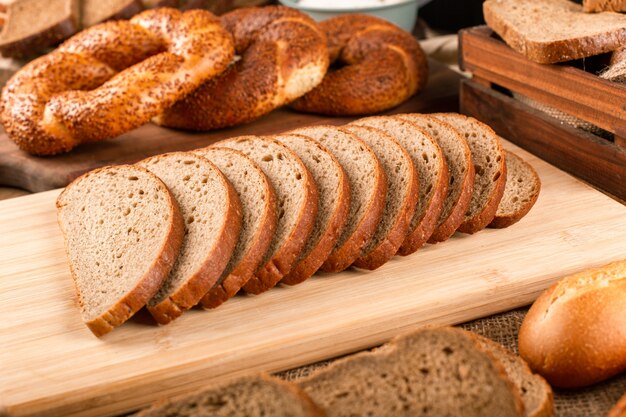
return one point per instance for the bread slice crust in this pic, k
(208, 270)
(150, 282)
(311, 261)
(281, 261)
(354, 239)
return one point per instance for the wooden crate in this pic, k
(573, 88)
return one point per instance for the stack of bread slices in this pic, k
(248, 213)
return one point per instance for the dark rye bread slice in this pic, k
(433, 176)
(400, 202)
(432, 372)
(123, 231)
(212, 214)
(460, 173)
(333, 207)
(33, 25)
(535, 392)
(258, 201)
(368, 185)
(550, 31)
(489, 165)
(520, 193)
(248, 396)
(297, 201)
(98, 11)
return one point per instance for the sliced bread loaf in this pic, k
(432, 372)
(535, 392)
(520, 193)
(460, 173)
(98, 11)
(297, 201)
(123, 231)
(490, 166)
(550, 31)
(368, 185)
(334, 204)
(258, 202)
(401, 199)
(33, 25)
(249, 396)
(433, 176)
(212, 214)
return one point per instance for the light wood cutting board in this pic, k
(50, 364)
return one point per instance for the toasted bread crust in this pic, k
(149, 284)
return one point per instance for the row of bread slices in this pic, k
(262, 210)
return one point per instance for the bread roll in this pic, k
(575, 333)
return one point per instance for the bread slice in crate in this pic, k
(368, 185)
(259, 217)
(461, 174)
(490, 166)
(297, 204)
(123, 230)
(212, 216)
(401, 201)
(334, 204)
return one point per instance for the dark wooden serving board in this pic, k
(35, 174)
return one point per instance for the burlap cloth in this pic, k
(503, 328)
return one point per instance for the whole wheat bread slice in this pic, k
(489, 165)
(33, 25)
(431, 165)
(460, 173)
(368, 185)
(258, 201)
(520, 193)
(432, 372)
(333, 208)
(297, 202)
(400, 202)
(535, 392)
(248, 396)
(212, 214)
(98, 11)
(123, 231)
(550, 31)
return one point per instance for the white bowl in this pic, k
(400, 12)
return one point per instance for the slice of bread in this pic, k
(98, 11)
(590, 6)
(490, 166)
(368, 185)
(123, 231)
(400, 202)
(33, 25)
(297, 201)
(258, 201)
(212, 214)
(460, 173)
(248, 396)
(520, 193)
(535, 392)
(432, 372)
(550, 31)
(433, 176)
(333, 208)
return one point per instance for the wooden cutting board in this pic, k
(18, 169)
(52, 365)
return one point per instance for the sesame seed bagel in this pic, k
(379, 67)
(283, 56)
(112, 78)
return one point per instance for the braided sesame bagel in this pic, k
(376, 65)
(112, 78)
(283, 56)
